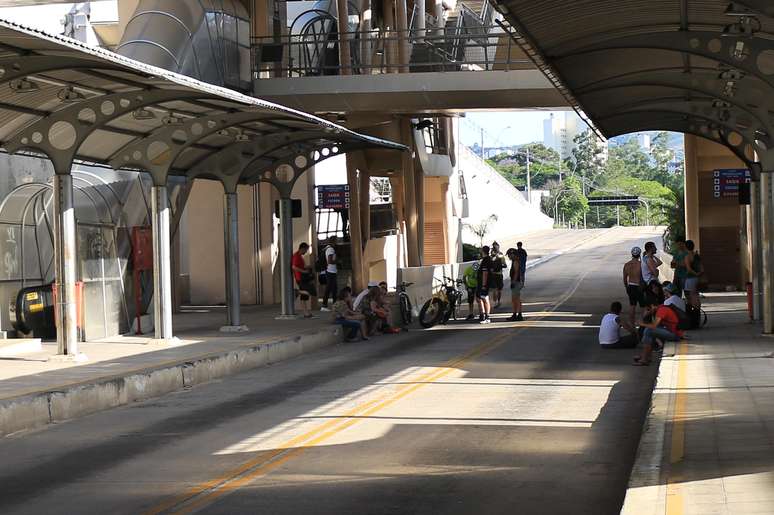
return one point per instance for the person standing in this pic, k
(522, 255)
(331, 286)
(650, 264)
(693, 269)
(304, 277)
(632, 279)
(484, 279)
(678, 263)
(498, 265)
(517, 284)
(470, 277)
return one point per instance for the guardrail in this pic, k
(376, 52)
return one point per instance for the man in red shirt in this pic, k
(663, 326)
(304, 277)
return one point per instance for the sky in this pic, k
(503, 127)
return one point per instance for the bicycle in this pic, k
(404, 303)
(442, 305)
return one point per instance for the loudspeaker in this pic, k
(744, 193)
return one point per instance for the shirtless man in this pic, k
(632, 279)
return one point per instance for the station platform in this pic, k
(708, 442)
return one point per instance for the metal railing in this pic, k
(376, 52)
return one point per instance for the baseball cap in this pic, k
(636, 251)
(373, 284)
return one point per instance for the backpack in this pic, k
(322, 262)
(696, 316)
(684, 321)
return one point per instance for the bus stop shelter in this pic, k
(73, 103)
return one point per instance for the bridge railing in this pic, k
(446, 49)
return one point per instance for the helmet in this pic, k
(476, 266)
(636, 251)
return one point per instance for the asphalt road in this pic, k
(528, 418)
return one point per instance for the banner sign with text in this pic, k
(725, 182)
(333, 196)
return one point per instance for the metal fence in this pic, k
(447, 49)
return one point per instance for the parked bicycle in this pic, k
(443, 305)
(405, 304)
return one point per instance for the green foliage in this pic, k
(470, 252)
(544, 165)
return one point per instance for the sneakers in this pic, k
(470, 317)
(513, 318)
(520, 318)
(485, 321)
(324, 308)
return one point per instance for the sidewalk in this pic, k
(708, 445)
(35, 391)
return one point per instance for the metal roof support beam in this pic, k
(23, 66)
(231, 247)
(60, 134)
(162, 265)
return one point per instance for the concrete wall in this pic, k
(491, 194)
(715, 225)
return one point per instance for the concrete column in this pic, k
(419, 24)
(345, 58)
(355, 223)
(64, 261)
(389, 33)
(411, 207)
(285, 253)
(401, 16)
(755, 249)
(767, 233)
(162, 267)
(231, 239)
(438, 13)
(691, 191)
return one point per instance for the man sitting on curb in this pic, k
(610, 330)
(662, 326)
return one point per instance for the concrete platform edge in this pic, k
(75, 400)
(646, 493)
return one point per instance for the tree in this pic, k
(481, 229)
(567, 199)
(587, 157)
(544, 165)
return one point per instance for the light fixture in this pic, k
(224, 133)
(23, 85)
(735, 9)
(142, 113)
(423, 124)
(171, 119)
(68, 94)
(745, 27)
(241, 136)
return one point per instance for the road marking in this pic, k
(208, 492)
(675, 504)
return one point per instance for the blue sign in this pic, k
(725, 182)
(333, 196)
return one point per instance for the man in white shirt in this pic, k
(610, 330)
(331, 286)
(674, 299)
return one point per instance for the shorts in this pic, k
(691, 284)
(308, 286)
(635, 295)
(516, 287)
(483, 293)
(497, 281)
(471, 294)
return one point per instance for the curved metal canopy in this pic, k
(71, 102)
(702, 67)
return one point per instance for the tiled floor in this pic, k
(714, 409)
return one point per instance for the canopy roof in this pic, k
(71, 101)
(704, 67)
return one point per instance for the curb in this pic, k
(67, 402)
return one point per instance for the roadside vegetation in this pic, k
(654, 175)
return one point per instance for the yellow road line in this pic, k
(675, 504)
(206, 493)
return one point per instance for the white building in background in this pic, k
(559, 131)
(644, 141)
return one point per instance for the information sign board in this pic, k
(333, 196)
(726, 181)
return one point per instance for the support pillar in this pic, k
(755, 249)
(691, 191)
(345, 58)
(401, 15)
(411, 206)
(64, 259)
(285, 253)
(420, 25)
(231, 239)
(355, 223)
(162, 266)
(766, 250)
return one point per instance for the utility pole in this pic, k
(618, 215)
(482, 143)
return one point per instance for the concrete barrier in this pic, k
(79, 399)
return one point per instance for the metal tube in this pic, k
(231, 230)
(766, 250)
(162, 265)
(285, 252)
(419, 23)
(64, 257)
(755, 250)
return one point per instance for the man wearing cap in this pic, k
(360, 296)
(471, 284)
(674, 299)
(632, 279)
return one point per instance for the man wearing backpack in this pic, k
(331, 287)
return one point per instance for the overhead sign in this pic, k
(726, 181)
(333, 196)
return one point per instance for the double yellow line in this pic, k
(206, 493)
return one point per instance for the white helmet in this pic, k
(636, 251)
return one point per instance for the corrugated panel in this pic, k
(434, 244)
